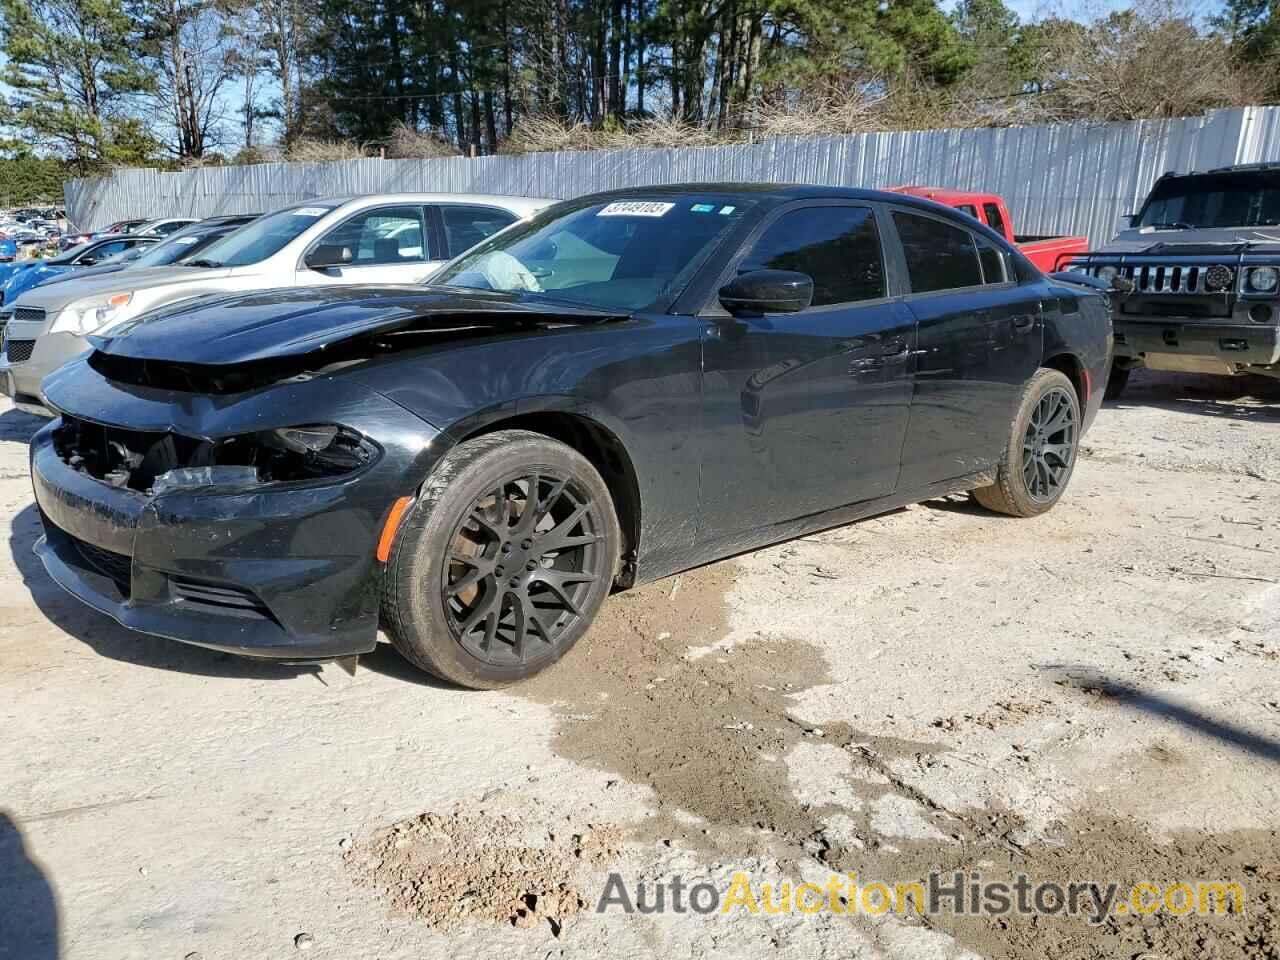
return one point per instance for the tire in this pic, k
(484, 596)
(1037, 464)
(1117, 380)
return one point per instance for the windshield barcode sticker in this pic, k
(310, 212)
(635, 208)
(185, 241)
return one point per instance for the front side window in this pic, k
(384, 235)
(939, 256)
(968, 208)
(465, 226)
(623, 253)
(839, 247)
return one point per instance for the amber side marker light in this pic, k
(390, 527)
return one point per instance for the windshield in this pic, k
(263, 237)
(178, 247)
(1247, 199)
(69, 256)
(621, 253)
(124, 256)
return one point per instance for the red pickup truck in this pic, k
(1047, 253)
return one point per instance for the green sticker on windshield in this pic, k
(702, 207)
(725, 211)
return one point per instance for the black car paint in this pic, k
(716, 433)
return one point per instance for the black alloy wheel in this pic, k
(1040, 453)
(1049, 445)
(520, 567)
(503, 561)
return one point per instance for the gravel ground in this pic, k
(1089, 695)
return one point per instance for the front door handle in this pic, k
(1024, 322)
(895, 352)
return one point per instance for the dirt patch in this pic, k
(1001, 714)
(712, 735)
(1100, 848)
(709, 732)
(451, 869)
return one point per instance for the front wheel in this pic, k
(1041, 452)
(503, 562)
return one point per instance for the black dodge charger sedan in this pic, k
(629, 385)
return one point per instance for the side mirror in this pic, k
(767, 291)
(86, 261)
(328, 255)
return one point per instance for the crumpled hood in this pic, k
(1140, 240)
(54, 296)
(242, 328)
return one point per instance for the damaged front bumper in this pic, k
(279, 570)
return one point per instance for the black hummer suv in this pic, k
(1196, 276)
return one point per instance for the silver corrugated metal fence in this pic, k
(1065, 178)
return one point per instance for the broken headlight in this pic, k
(312, 451)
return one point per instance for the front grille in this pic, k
(18, 351)
(29, 313)
(222, 598)
(1177, 278)
(117, 566)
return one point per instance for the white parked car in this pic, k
(386, 238)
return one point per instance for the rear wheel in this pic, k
(1041, 452)
(503, 562)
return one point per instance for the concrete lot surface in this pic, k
(1090, 695)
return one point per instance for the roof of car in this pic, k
(1233, 168)
(943, 195)
(776, 192)
(228, 218)
(116, 237)
(523, 205)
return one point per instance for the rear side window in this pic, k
(465, 226)
(994, 220)
(992, 260)
(939, 256)
(839, 247)
(969, 209)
